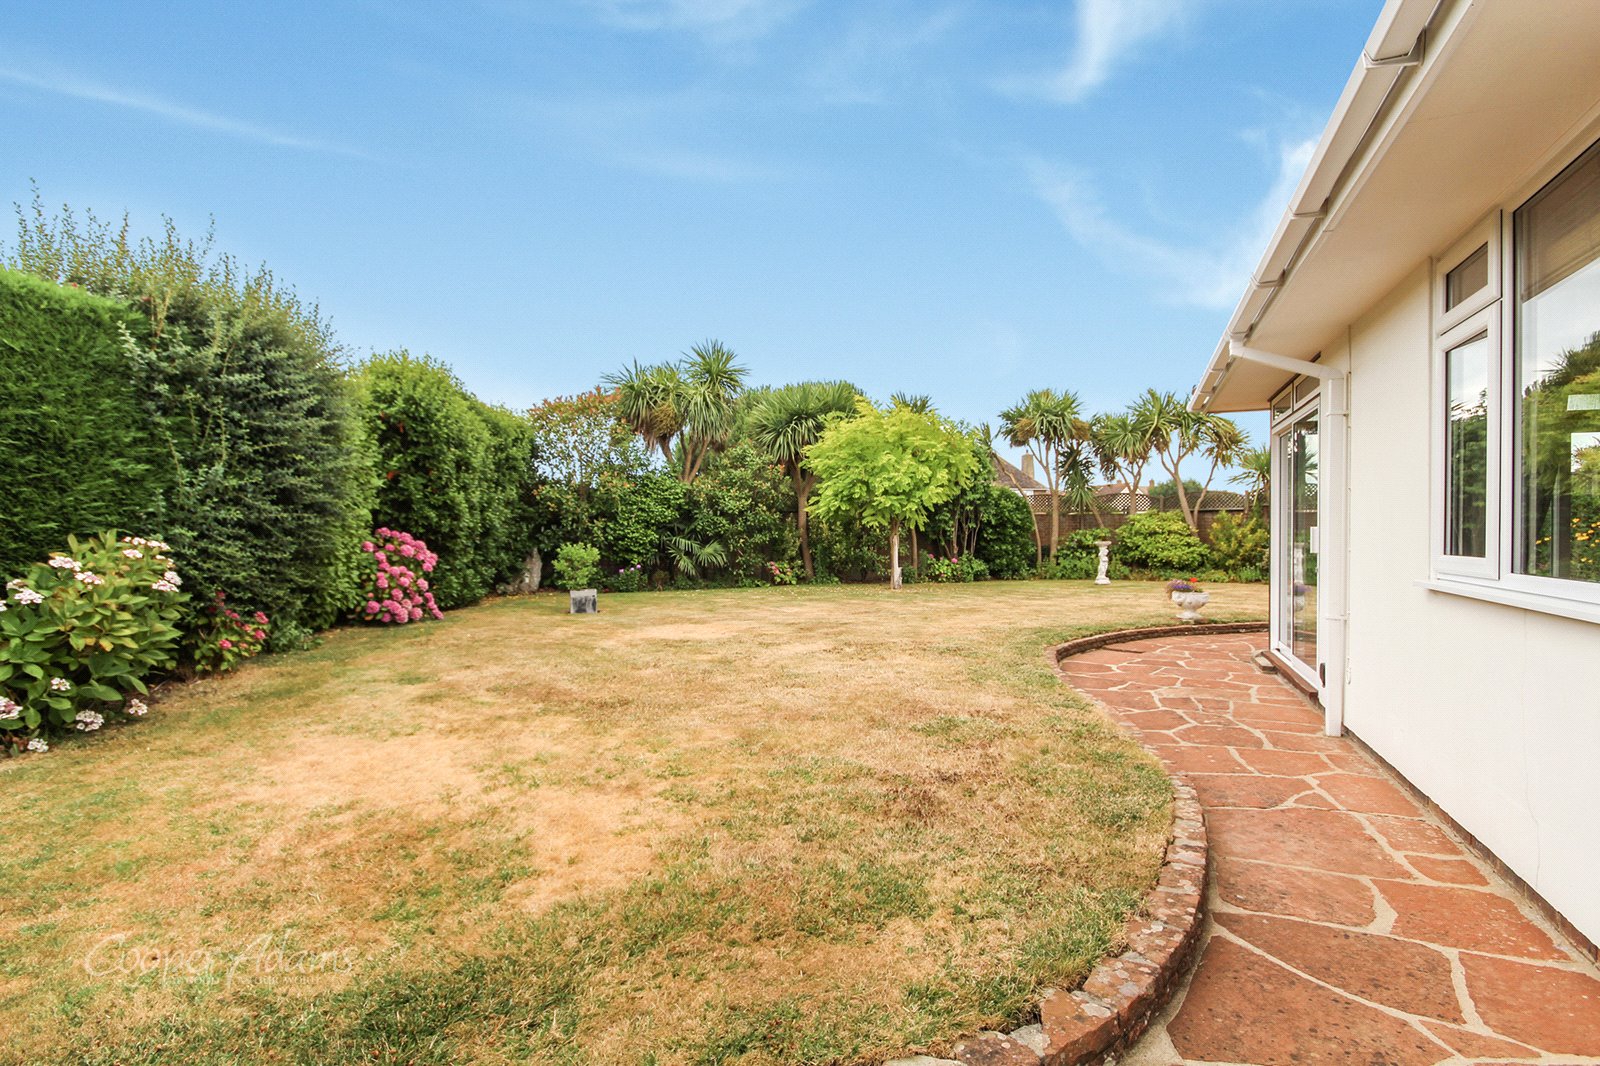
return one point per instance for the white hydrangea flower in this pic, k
(3, 606)
(132, 553)
(164, 586)
(89, 577)
(27, 597)
(60, 684)
(88, 721)
(39, 744)
(63, 562)
(9, 708)
(137, 708)
(15, 583)
(171, 577)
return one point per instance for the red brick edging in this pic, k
(1123, 992)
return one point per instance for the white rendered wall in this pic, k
(1492, 711)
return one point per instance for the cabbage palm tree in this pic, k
(712, 380)
(1254, 474)
(648, 399)
(1045, 422)
(791, 419)
(1123, 447)
(1225, 444)
(686, 409)
(1175, 435)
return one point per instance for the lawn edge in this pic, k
(1124, 992)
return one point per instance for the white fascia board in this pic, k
(1391, 42)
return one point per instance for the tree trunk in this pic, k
(1053, 477)
(894, 554)
(1183, 505)
(916, 553)
(802, 489)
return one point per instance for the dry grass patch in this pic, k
(766, 826)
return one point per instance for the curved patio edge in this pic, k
(1124, 992)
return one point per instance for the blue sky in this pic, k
(965, 199)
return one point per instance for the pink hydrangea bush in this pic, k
(397, 590)
(224, 638)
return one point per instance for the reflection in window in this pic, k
(1466, 369)
(1472, 276)
(1558, 376)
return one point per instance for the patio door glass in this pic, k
(1298, 543)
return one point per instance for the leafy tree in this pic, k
(1045, 422)
(578, 438)
(890, 468)
(687, 409)
(787, 421)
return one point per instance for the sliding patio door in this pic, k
(1296, 542)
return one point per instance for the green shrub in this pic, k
(1161, 541)
(1081, 542)
(1240, 543)
(846, 551)
(1005, 533)
(634, 515)
(577, 566)
(81, 632)
(451, 470)
(625, 579)
(76, 440)
(1070, 566)
(962, 568)
(744, 501)
(224, 638)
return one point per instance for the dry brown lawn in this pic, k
(762, 826)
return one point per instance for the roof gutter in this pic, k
(1398, 43)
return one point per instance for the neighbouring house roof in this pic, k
(1453, 105)
(1011, 476)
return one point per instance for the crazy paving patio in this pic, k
(1348, 925)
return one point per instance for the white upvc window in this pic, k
(1516, 402)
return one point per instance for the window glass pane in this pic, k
(1466, 370)
(1558, 376)
(1470, 277)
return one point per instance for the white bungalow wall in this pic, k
(1492, 711)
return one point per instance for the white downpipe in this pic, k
(1333, 561)
(1332, 493)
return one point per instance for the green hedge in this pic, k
(451, 470)
(272, 483)
(75, 437)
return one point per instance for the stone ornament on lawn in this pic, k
(1187, 594)
(1103, 578)
(585, 601)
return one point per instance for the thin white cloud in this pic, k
(1201, 276)
(878, 56)
(1108, 32)
(720, 21)
(170, 111)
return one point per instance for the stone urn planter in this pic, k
(1189, 597)
(584, 601)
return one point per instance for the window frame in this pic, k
(1496, 302)
(1486, 321)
